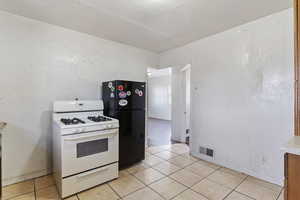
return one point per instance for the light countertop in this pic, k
(293, 146)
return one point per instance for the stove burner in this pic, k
(72, 121)
(99, 118)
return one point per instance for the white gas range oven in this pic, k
(85, 146)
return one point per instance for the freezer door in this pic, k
(130, 95)
(109, 97)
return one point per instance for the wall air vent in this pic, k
(206, 151)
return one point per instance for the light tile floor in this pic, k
(168, 172)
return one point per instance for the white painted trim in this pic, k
(183, 80)
(188, 66)
(25, 177)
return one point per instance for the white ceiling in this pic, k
(156, 25)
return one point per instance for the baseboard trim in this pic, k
(244, 170)
(10, 181)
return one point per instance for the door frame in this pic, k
(184, 71)
(178, 104)
(297, 67)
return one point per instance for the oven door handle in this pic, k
(93, 172)
(89, 136)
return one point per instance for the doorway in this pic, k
(159, 106)
(169, 102)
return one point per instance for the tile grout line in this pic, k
(233, 190)
(11, 198)
(113, 190)
(245, 195)
(133, 191)
(282, 190)
(206, 177)
(203, 180)
(165, 176)
(156, 192)
(242, 180)
(187, 187)
(19, 195)
(153, 181)
(146, 186)
(190, 187)
(180, 193)
(181, 168)
(174, 181)
(35, 190)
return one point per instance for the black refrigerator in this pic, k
(125, 101)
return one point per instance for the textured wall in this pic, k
(242, 94)
(41, 63)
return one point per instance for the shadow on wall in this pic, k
(46, 127)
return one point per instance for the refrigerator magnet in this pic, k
(128, 93)
(120, 87)
(112, 95)
(122, 95)
(123, 102)
(141, 93)
(110, 85)
(137, 91)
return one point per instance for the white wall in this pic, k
(159, 95)
(242, 94)
(41, 63)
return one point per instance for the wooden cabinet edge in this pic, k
(286, 155)
(296, 69)
(292, 176)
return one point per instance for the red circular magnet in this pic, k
(120, 87)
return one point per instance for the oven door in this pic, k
(85, 151)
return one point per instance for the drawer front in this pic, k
(84, 181)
